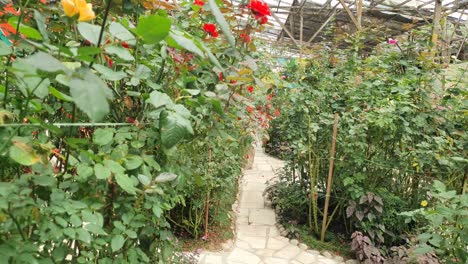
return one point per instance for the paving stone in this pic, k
(315, 252)
(255, 242)
(213, 259)
(338, 259)
(242, 220)
(294, 242)
(325, 260)
(289, 252)
(306, 258)
(250, 230)
(273, 231)
(327, 254)
(227, 245)
(243, 245)
(254, 186)
(303, 246)
(265, 252)
(352, 261)
(271, 260)
(274, 243)
(262, 217)
(243, 256)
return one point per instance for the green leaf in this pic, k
(90, 94)
(89, 32)
(120, 52)
(119, 31)
(217, 106)
(22, 152)
(84, 171)
(157, 211)
(44, 180)
(59, 95)
(95, 229)
(151, 162)
(222, 22)
(117, 242)
(212, 57)
(84, 235)
(45, 62)
(154, 28)
(109, 74)
(181, 110)
(145, 180)
(158, 99)
(125, 183)
(114, 166)
(165, 177)
(75, 220)
(174, 128)
(4, 49)
(101, 172)
(186, 43)
(27, 31)
(103, 136)
(70, 232)
(41, 24)
(423, 249)
(133, 162)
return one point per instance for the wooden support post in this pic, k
(359, 12)
(350, 14)
(285, 29)
(436, 26)
(330, 177)
(301, 34)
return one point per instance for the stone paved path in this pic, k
(258, 240)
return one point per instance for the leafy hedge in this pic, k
(400, 128)
(116, 132)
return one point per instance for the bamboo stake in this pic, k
(330, 177)
(207, 201)
(436, 26)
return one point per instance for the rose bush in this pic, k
(117, 135)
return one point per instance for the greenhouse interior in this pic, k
(233, 131)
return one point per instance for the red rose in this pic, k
(269, 97)
(220, 76)
(211, 29)
(262, 20)
(277, 112)
(250, 89)
(125, 44)
(199, 3)
(245, 37)
(259, 8)
(250, 109)
(130, 120)
(109, 61)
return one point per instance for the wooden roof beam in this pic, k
(350, 14)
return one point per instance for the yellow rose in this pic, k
(86, 12)
(423, 203)
(69, 8)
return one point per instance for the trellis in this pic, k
(298, 24)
